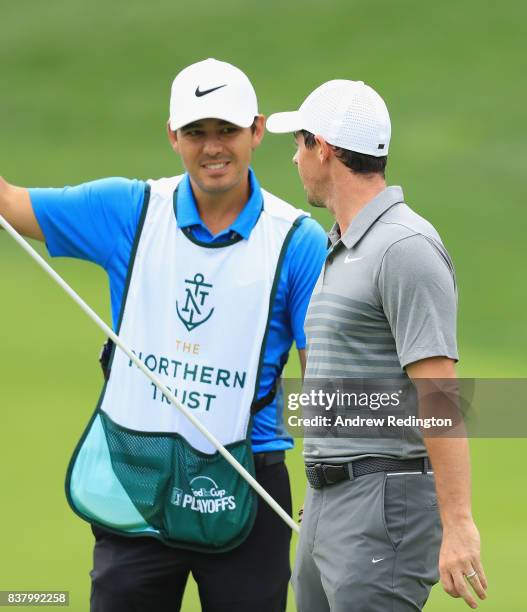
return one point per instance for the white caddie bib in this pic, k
(197, 315)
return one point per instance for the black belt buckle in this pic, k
(332, 474)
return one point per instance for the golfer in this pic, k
(210, 277)
(374, 534)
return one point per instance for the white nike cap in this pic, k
(347, 114)
(212, 89)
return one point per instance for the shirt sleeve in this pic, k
(418, 291)
(306, 255)
(88, 221)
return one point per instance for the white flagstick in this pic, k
(109, 332)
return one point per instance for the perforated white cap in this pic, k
(212, 89)
(347, 114)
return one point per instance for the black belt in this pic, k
(322, 474)
(262, 460)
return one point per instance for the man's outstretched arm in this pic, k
(15, 207)
(459, 556)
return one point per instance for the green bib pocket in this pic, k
(183, 497)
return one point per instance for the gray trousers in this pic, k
(368, 545)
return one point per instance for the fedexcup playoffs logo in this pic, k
(196, 292)
(206, 497)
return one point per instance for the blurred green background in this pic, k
(84, 94)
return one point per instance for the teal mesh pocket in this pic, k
(192, 499)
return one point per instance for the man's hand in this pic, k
(459, 558)
(301, 514)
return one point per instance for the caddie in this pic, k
(375, 536)
(210, 277)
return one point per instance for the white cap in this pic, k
(347, 114)
(212, 89)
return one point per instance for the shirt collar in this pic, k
(188, 214)
(367, 216)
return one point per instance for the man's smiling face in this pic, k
(216, 153)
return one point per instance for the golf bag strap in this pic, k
(264, 401)
(104, 357)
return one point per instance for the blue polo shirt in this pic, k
(97, 222)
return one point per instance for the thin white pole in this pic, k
(110, 333)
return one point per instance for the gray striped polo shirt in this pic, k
(385, 298)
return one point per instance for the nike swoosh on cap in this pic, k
(207, 91)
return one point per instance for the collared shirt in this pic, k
(367, 217)
(97, 222)
(386, 297)
(188, 214)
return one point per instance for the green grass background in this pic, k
(84, 94)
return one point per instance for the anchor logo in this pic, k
(196, 294)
